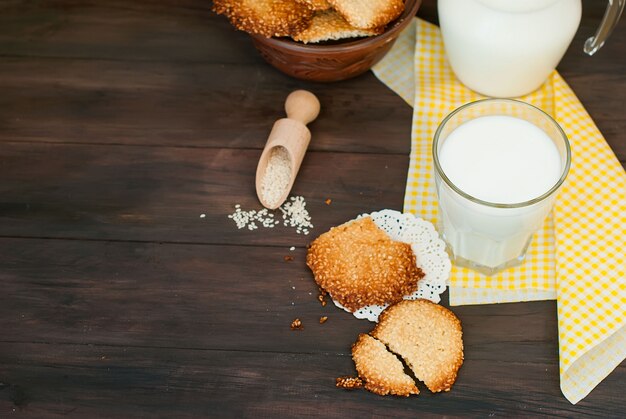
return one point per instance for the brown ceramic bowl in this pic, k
(333, 61)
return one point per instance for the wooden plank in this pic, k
(152, 311)
(187, 32)
(122, 122)
(42, 380)
(211, 297)
(142, 30)
(196, 105)
(158, 193)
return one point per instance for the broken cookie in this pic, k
(428, 337)
(381, 371)
(367, 14)
(330, 25)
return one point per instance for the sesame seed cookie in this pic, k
(381, 371)
(359, 265)
(265, 17)
(428, 337)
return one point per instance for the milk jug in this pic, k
(507, 48)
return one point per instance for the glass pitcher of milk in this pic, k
(508, 48)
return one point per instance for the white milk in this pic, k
(506, 48)
(501, 160)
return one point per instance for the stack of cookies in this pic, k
(311, 21)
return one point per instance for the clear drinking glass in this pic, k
(491, 236)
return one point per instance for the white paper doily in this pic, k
(430, 256)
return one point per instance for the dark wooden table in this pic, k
(120, 124)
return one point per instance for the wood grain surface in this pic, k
(120, 124)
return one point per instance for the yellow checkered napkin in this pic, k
(577, 257)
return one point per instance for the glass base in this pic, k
(486, 270)
(489, 244)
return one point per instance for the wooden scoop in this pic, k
(292, 134)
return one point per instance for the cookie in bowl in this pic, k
(320, 40)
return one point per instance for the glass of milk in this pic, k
(498, 166)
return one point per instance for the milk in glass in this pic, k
(495, 189)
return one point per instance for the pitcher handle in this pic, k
(610, 19)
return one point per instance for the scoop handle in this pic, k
(302, 106)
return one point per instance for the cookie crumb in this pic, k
(288, 258)
(296, 325)
(348, 383)
(328, 201)
(322, 300)
(323, 319)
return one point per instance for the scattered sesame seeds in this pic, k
(202, 215)
(277, 176)
(249, 219)
(294, 215)
(292, 248)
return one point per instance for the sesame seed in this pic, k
(294, 214)
(277, 176)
